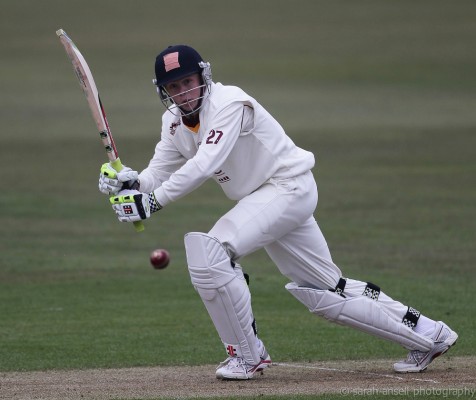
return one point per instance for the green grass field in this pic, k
(384, 94)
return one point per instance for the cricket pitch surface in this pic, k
(450, 377)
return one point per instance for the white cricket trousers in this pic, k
(279, 218)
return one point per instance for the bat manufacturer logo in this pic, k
(103, 134)
(79, 74)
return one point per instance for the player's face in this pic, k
(185, 92)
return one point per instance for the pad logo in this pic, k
(171, 61)
(231, 350)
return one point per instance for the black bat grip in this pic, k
(131, 185)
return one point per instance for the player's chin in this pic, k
(189, 106)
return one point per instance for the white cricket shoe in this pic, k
(235, 368)
(418, 361)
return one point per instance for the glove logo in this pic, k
(128, 210)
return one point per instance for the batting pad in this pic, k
(224, 293)
(359, 312)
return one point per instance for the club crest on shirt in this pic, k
(173, 127)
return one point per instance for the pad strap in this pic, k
(339, 289)
(372, 291)
(411, 317)
(361, 312)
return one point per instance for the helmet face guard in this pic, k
(180, 108)
(175, 63)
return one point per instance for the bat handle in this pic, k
(139, 226)
(117, 165)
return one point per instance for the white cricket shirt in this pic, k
(238, 144)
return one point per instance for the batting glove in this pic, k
(132, 205)
(112, 181)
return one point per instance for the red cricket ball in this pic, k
(159, 258)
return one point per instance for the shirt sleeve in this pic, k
(165, 161)
(218, 141)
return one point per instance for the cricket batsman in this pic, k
(210, 130)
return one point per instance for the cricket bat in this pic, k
(86, 81)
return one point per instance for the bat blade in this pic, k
(87, 84)
(86, 81)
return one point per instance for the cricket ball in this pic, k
(159, 258)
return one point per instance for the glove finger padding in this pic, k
(126, 174)
(109, 185)
(131, 205)
(112, 181)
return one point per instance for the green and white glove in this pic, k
(112, 181)
(132, 205)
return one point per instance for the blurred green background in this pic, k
(384, 94)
